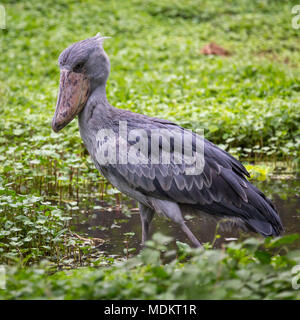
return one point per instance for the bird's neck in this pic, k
(97, 107)
(98, 96)
(97, 114)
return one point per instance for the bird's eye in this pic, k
(78, 67)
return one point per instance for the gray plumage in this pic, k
(221, 190)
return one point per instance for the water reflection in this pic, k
(110, 224)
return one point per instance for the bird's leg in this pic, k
(190, 235)
(172, 211)
(146, 214)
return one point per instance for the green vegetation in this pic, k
(249, 270)
(247, 102)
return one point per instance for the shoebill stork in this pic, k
(220, 190)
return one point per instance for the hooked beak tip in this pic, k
(55, 129)
(55, 126)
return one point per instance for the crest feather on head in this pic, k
(100, 38)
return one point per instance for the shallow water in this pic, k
(111, 224)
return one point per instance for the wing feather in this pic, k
(220, 189)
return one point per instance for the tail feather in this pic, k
(257, 213)
(264, 217)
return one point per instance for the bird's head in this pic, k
(83, 67)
